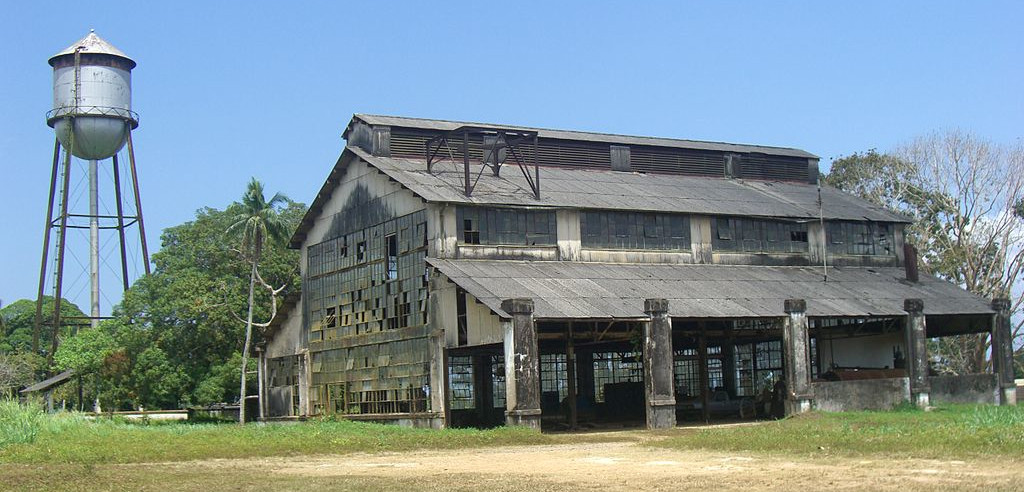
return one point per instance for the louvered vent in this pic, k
(595, 155)
(677, 161)
(776, 168)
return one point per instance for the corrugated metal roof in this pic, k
(92, 44)
(564, 290)
(597, 189)
(445, 125)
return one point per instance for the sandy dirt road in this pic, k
(621, 466)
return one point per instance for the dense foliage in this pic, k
(176, 337)
(966, 197)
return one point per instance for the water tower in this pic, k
(93, 120)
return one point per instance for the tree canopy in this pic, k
(966, 195)
(175, 338)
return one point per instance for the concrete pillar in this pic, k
(1002, 352)
(797, 360)
(522, 365)
(661, 397)
(438, 387)
(917, 352)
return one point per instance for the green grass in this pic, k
(67, 438)
(947, 432)
(29, 436)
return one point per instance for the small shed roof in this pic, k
(584, 290)
(48, 383)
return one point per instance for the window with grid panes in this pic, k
(758, 367)
(506, 226)
(758, 235)
(498, 378)
(860, 238)
(616, 367)
(554, 375)
(460, 383)
(634, 230)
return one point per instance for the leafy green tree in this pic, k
(17, 370)
(256, 221)
(18, 321)
(176, 328)
(966, 196)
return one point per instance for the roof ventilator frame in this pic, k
(495, 146)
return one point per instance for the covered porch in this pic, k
(598, 344)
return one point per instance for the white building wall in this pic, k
(862, 351)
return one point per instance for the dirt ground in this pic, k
(626, 466)
(623, 465)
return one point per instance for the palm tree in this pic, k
(257, 220)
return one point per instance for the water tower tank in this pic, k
(92, 98)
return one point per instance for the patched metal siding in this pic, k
(366, 295)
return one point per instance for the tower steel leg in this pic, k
(62, 235)
(138, 203)
(94, 244)
(46, 248)
(120, 223)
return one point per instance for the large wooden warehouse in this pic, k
(463, 274)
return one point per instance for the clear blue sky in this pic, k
(229, 90)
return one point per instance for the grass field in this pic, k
(27, 435)
(34, 437)
(946, 432)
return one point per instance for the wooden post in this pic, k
(702, 368)
(570, 369)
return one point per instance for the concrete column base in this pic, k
(921, 400)
(661, 414)
(525, 418)
(798, 406)
(1008, 396)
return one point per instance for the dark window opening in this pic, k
(460, 380)
(391, 269)
(361, 251)
(463, 317)
(470, 232)
(724, 228)
(331, 320)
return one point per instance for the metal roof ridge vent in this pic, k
(490, 147)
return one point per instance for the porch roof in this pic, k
(584, 290)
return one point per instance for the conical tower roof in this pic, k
(92, 44)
